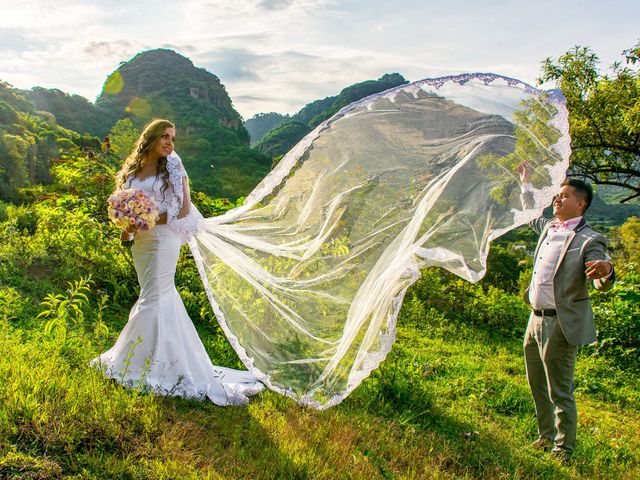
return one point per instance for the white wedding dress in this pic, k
(159, 349)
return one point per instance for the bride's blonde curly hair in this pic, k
(144, 144)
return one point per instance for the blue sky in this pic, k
(277, 55)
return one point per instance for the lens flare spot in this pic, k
(139, 107)
(114, 84)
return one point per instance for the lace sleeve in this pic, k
(188, 225)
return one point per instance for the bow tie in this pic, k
(560, 226)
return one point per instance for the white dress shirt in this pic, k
(544, 268)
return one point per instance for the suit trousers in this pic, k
(550, 361)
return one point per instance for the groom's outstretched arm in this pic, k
(526, 196)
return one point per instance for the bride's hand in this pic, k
(125, 234)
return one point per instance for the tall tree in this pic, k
(604, 115)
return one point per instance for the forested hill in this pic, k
(212, 141)
(30, 140)
(72, 111)
(262, 123)
(287, 131)
(163, 83)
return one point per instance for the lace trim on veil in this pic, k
(189, 225)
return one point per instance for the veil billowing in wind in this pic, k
(307, 277)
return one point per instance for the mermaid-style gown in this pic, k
(159, 349)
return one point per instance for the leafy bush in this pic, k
(23, 219)
(4, 215)
(618, 319)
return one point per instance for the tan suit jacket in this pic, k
(570, 283)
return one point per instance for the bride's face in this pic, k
(164, 144)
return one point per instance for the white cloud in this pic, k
(280, 54)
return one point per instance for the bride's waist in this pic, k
(159, 229)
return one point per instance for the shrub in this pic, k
(617, 315)
(4, 215)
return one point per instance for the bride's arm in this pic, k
(186, 203)
(186, 199)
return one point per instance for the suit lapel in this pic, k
(583, 223)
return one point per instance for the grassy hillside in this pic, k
(450, 401)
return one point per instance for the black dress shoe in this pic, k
(561, 456)
(542, 443)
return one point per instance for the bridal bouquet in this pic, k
(133, 208)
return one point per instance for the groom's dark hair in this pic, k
(583, 190)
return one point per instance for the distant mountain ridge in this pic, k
(72, 111)
(212, 140)
(262, 123)
(285, 133)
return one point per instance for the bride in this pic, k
(159, 348)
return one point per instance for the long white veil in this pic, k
(307, 277)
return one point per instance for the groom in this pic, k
(568, 255)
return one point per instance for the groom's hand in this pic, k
(524, 170)
(598, 269)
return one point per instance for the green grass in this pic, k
(450, 401)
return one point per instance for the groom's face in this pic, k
(567, 204)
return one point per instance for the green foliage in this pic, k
(482, 304)
(22, 219)
(211, 207)
(13, 165)
(534, 136)
(64, 312)
(52, 402)
(630, 237)
(618, 319)
(29, 143)
(7, 114)
(450, 401)
(504, 265)
(604, 115)
(122, 137)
